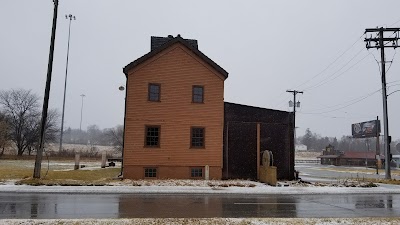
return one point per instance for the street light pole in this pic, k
(122, 88)
(70, 17)
(294, 104)
(80, 124)
(38, 160)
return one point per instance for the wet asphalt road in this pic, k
(66, 206)
(326, 173)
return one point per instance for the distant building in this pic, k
(300, 147)
(330, 156)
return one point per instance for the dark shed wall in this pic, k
(240, 140)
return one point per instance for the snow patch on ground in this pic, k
(192, 183)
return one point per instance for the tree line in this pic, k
(316, 142)
(95, 136)
(20, 119)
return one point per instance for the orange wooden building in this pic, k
(174, 116)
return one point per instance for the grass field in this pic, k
(59, 172)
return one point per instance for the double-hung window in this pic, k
(197, 94)
(152, 136)
(197, 137)
(154, 92)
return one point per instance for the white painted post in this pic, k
(207, 173)
(77, 158)
(103, 159)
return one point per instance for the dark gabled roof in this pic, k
(177, 39)
(255, 107)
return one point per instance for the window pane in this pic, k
(150, 172)
(152, 136)
(196, 172)
(198, 94)
(197, 137)
(154, 92)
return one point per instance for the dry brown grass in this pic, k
(383, 181)
(23, 171)
(99, 177)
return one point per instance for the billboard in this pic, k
(366, 129)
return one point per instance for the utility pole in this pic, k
(70, 17)
(80, 124)
(294, 104)
(38, 161)
(377, 149)
(382, 42)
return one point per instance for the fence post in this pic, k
(103, 159)
(207, 172)
(77, 158)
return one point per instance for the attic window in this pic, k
(154, 92)
(198, 94)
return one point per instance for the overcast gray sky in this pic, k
(266, 46)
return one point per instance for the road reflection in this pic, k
(375, 202)
(201, 206)
(44, 206)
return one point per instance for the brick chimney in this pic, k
(156, 42)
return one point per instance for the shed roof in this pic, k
(170, 42)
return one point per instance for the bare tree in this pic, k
(4, 131)
(115, 137)
(21, 109)
(51, 130)
(94, 134)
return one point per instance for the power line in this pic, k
(352, 103)
(380, 43)
(329, 78)
(379, 67)
(326, 68)
(391, 61)
(395, 81)
(395, 23)
(282, 102)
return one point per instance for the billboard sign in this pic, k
(366, 129)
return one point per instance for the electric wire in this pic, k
(287, 99)
(395, 22)
(326, 68)
(379, 66)
(330, 78)
(344, 103)
(391, 61)
(321, 72)
(395, 81)
(347, 105)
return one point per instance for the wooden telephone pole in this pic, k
(378, 40)
(295, 104)
(39, 154)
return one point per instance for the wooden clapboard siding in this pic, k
(177, 69)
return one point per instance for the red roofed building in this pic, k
(349, 158)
